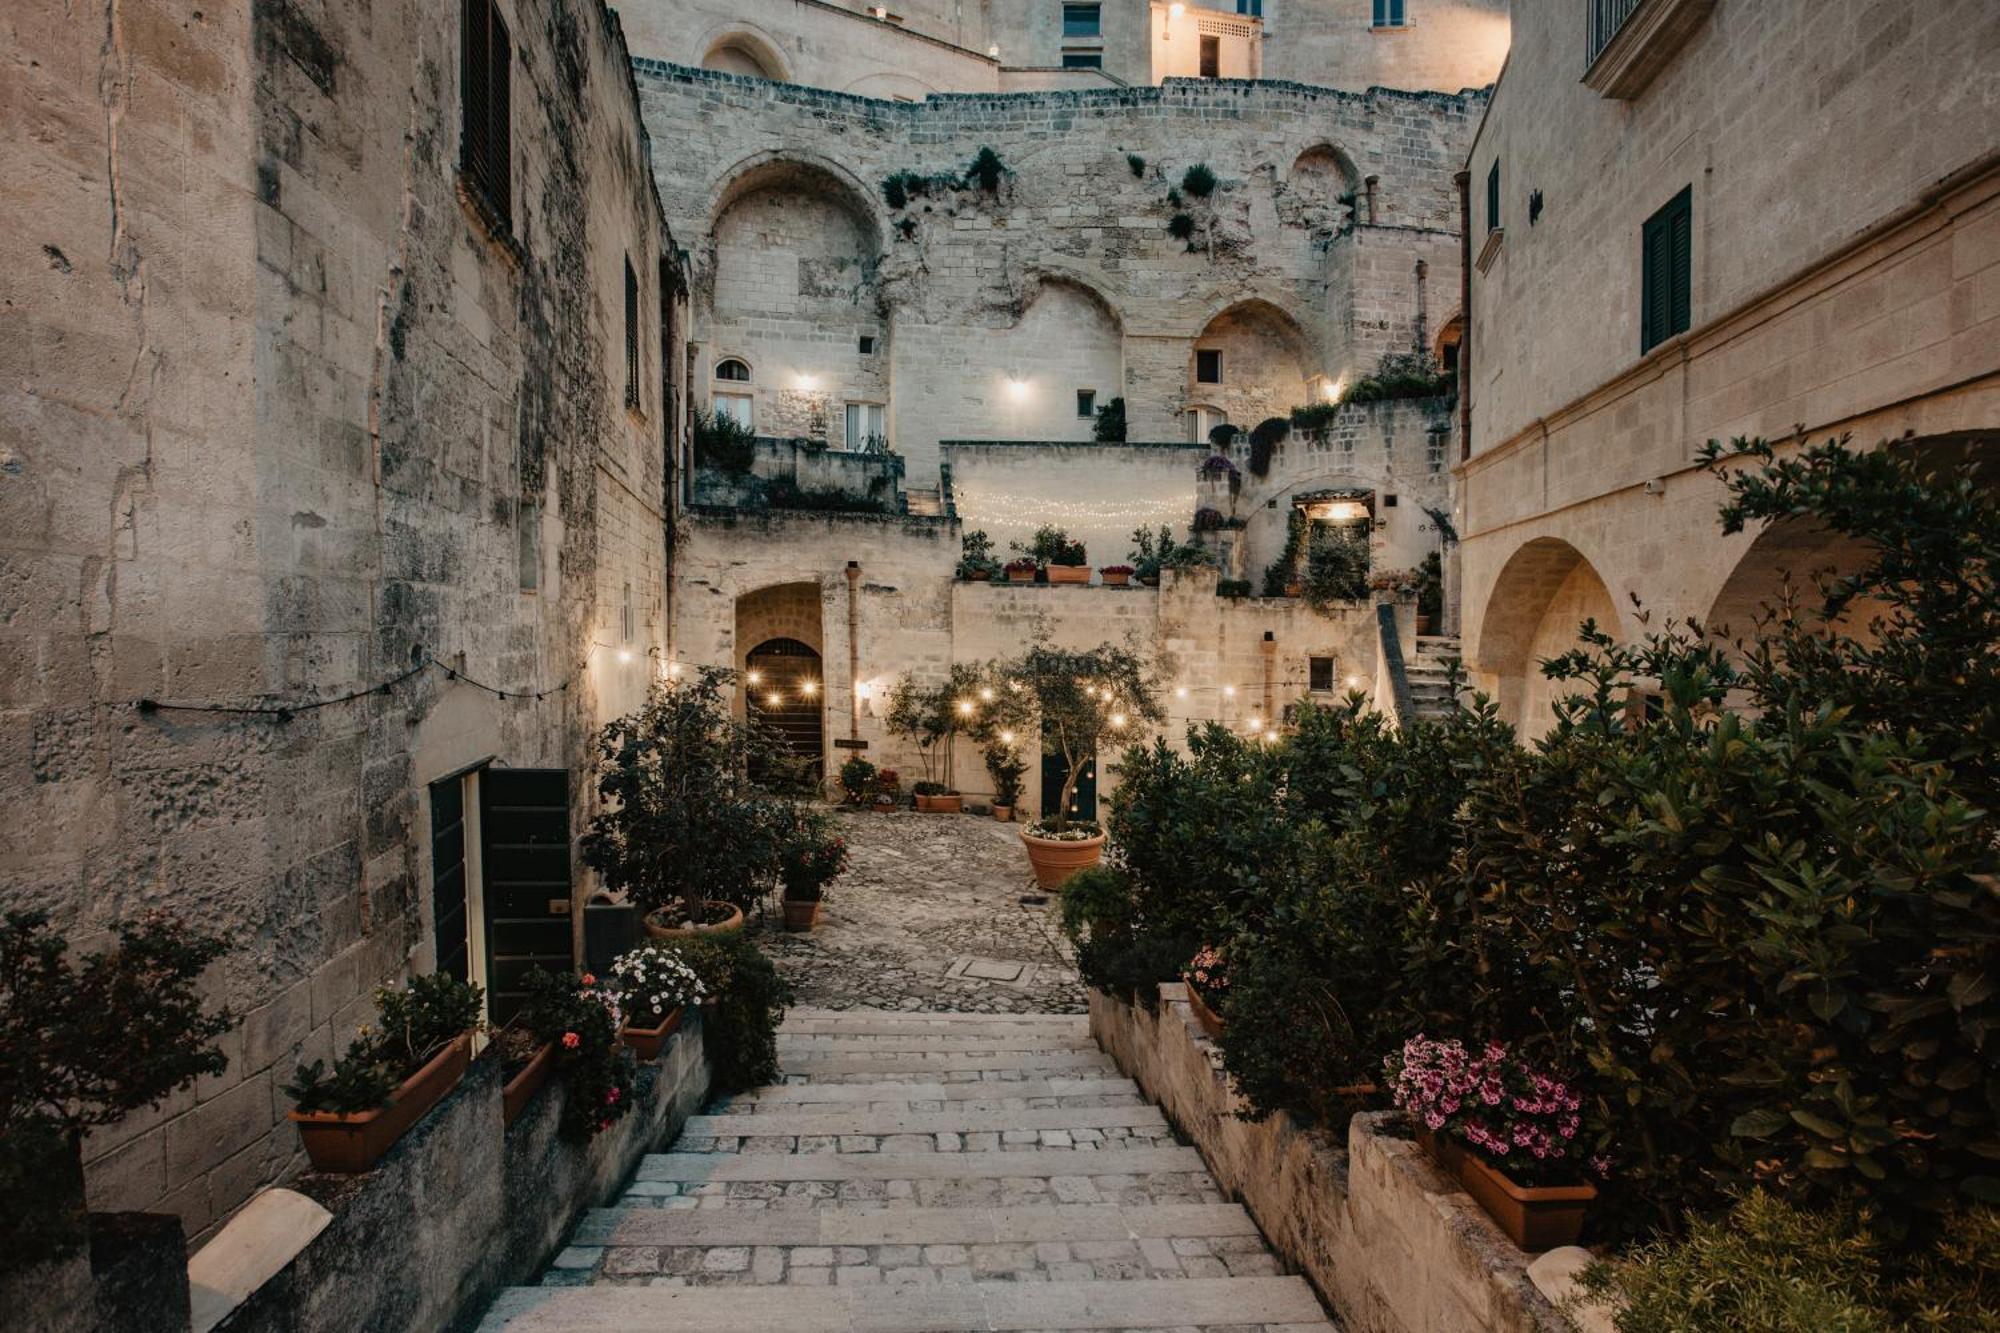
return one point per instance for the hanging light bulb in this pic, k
(965, 708)
(774, 698)
(755, 678)
(986, 693)
(1006, 738)
(1229, 691)
(1180, 692)
(809, 688)
(1117, 719)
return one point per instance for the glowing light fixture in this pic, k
(1354, 682)
(1006, 738)
(986, 693)
(1180, 692)
(1117, 719)
(624, 654)
(774, 698)
(808, 382)
(1229, 691)
(965, 708)
(809, 688)
(755, 677)
(862, 689)
(1017, 386)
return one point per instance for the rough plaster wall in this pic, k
(1265, 363)
(330, 393)
(824, 45)
(1446, 44)
(965, 263)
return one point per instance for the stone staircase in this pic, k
(1429, 675)
(921, 1171)
(924, 501)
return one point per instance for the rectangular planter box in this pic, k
(1538, 1218)
(1069, 573)
(348, 1144)
(646, 1042)
(527, 1081)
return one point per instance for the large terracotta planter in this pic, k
(1112, 580)
(1211, 1022)
(732, 922)
(1538, 1218)
(1069, 573)
(1055, 859)
(519, 1090)
(646, 1043)
(801, 913)
(950, 804)
(350, 1143)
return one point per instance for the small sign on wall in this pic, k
(841, 743)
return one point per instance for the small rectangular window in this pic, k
(1211, 57)
(485, 145)
(1320, 673)
(1250, 8)
(631, 335)
(1086, 402)
(1493, 195)
(867, 428)
(1666, 278)
(1083, 60)
(1388, 13)
(625, 618)
(866, 344)
(1082, 20)
(1208, 365)
(528, 548)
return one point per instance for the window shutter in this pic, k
(472, 67)
(1666, 276)
(500, 140)
(1680, 264)
(1493, 196)
(631, 336)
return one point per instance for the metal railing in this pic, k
(1606, 18)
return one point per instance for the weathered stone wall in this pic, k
(283, 419)
(1390, 1244)
(1292, 282)
(1445, 44)
(1837, 292)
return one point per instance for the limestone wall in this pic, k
(825, 45)
(284, 418)
(988, 312)
(1444, 44)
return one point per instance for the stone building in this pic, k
(1699, 220)
(337, 378)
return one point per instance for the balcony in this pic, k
(1631, 41)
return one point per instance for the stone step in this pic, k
(791, 1094)
(1027, 1043)
(1174, 1303)
(876, 1022)
(1032, 1163)
(927, 1226)
(880, 1124)
(928, 1065)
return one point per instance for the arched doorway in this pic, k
(1545, 591)
(786, 693)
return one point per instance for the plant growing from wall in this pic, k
(684, 820)
(986, 170)
(1222, 435)
(1077, 701)
(1314, 417)
(82, 1047)
(1232, 588)
(1281, 573)
(1181, 227)
(723, 443)
(1109, 428)
(1265, 437)
(1198, 182)
(1401, 375)
(1137, 164)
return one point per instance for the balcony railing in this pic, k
(1606, 18)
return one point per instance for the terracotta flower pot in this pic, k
(646, 1042)
(1445, 1150)
(734, 921)
(350, 1143)
(951, 803)
(1069, 573)
(1150, 580)
(1423, 624)
(801, 913)
(1112, 580)
(980, 576)
(527, 1081)
(923, 803)
(1294, 589)
(1003, 813)
(1534, 1218)
(1056, 859)
(1211, 1022)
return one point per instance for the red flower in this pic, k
(611, 1096)
(571, 1041)
(589, 980)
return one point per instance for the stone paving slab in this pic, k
(801, 1019)
(806, 1045)
(910, 1062)
(1040, 1162)
(958, 1121)
(931, 1226)
(808, 1093)
(1186, 1302)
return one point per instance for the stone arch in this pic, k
(1450, 338)
(1268, 362)
(1791, 553)
(739, 48)
(802, 171)
(1311, 194)
(1543, 593)
(778, 611)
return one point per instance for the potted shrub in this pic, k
(84, 1047)
(1510, 1133)
(816, 855)
(1395, 585)
(1207, 979)
(1005, 767)
(1115, 576)
(857, 780)
(930, 716)
(688, 830)
(1064, 560)
(1430, 594)
(888, 791)
(1076, 701)
(655, 985)
(745, 1001)
(975, 561)
(393, 1072)
(573, 1024)
(1022, 570)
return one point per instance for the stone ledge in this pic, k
(1390, 1244)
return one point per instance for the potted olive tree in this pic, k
(929, 716)
(687, 830)
(1076, 700)
(1005, 766)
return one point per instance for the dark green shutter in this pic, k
(1493, 196)
(1666, 272)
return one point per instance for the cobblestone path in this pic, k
(922, 1170)
(928, 916)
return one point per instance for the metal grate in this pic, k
(486, 57)
(1606, 18)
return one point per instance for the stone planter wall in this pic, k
(1390, 1244)
(459, 1208)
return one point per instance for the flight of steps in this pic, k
(921, 1171)
(924, 501)
(1429, 675)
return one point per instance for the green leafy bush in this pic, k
(1336, 571)
(1401, 375)
(1198, 182)
(413, 1023)
(747, 1002)
(82, 1047)
(722, 442)
(1109, 427)
(986, 171)
(580, 1021)
(1005, 767)
(857, 778)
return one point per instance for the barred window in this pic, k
(485, 153)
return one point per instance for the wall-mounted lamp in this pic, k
(807, 382)
(1017, 386)
(624, 655)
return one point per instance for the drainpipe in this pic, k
(1463, 180)
(1270, 662)
(854, 650)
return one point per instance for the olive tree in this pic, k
(1078, 699)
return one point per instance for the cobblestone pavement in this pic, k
(928, 916)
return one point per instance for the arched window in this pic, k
(733, 368)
